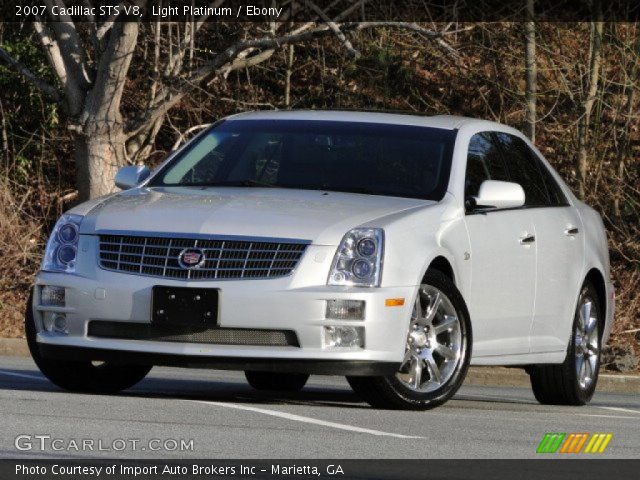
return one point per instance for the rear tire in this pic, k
(81, 376)
(273, 381)
(574, 381)
(437, 353)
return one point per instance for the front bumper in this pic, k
(314, 367)
(276, 304)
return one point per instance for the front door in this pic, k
(503, 281)
(503, 261)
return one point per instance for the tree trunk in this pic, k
(98, 158)
(592, 89)
(287, 77)
(100, 141)
(623, 145)
(530, 72)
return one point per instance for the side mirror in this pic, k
(497, 194)
(132, 175)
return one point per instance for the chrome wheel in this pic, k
(587, 354)
(434, 342)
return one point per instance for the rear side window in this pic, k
(556, 196)
(484, 162)
(523, 168)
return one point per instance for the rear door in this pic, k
(559, 241)
(503, 277)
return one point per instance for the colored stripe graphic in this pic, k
(574, 443)
(551, 442)
(581, 443)
(598, 443)
(554, 442)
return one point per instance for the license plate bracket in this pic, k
(184, 306)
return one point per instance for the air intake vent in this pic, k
(214, 336)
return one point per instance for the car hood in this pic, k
(319, 216)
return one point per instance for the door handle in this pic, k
(571, 231)
(527, 239)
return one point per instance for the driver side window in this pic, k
(484, 162)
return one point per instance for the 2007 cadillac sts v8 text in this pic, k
(392, 249)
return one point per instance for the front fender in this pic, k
(412, 244)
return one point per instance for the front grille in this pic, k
(190, 334)
(223, 258)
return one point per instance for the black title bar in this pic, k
(340, 10)
(548, 469)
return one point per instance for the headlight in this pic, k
(62, 247)
(358, 261)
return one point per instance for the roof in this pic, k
(448, 122)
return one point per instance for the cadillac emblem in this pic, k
(191, 258)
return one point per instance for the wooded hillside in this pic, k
(575, 87)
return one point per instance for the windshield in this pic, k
(371, 158)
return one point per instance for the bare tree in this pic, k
(595, 60)
(631, 85)
(91, 78)
(531, 73)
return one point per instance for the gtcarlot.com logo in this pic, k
(45, 443)
(574, 443)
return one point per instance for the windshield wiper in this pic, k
(363, 190)
(241, 183)
(251, 183)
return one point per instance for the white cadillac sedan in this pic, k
(395, 250)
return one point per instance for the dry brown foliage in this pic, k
(398, 71)
(21, 245)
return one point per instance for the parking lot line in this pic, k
(620, 409)
(300, 418)
(603, 416)
(21, 375)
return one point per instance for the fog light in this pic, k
(60, 323)
(55, 322)
(47, 321)
(343, 337)
(345, 309)
(51, 296)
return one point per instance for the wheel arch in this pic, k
(447, 262)
(596, 278)
(442, 261)
(443, 265)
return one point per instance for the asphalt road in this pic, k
(225, 418)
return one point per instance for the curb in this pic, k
(477, 376)
(14, 347)
(516, 377)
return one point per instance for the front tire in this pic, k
(81, 376)
(279, 382)
(437, 352)
(574, 381)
